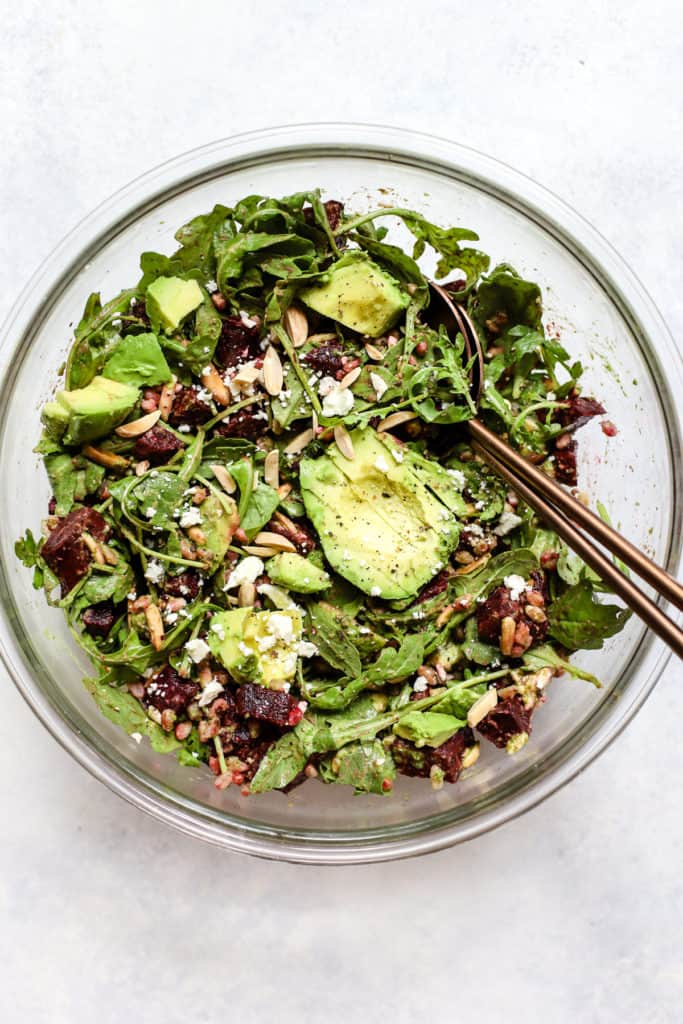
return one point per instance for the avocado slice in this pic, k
(381, 524)
(428, 728)
(170, 299)
(257, 647)
(76, 417)
(220, 519)
(138, 360)
(294, 572)
(358, 294)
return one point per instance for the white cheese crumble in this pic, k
(137, 736)
(150, 512)
(211, 286)
(381, 464)
(210, 692)
(281, 627)
(379, 385)
(184, 428)
(516, 585)
(420, 685)
(398, 455)
(155, 571)
(244, 649)
(457, 476)
(306, 649)
(264, 643)
(197, 649)
(375, 592)
(190, 517)
(249, 569)
(507, 522)
(217, 628)
(338, 403)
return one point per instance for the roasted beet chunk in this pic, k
(578, 411)
(491, 612)
(301, 536)
(509, 718)
(435, 586)
(273, 706)
(189, 408)
(157, 446)
(66, 552)
(411, 760)
(565, 462)
(238, 342)
(326, 359)
(251, 752)
(247, 423)
(167, 689)
(186, 585)
(526, 612)
(99, 618)
(138, 309)
(334, 211)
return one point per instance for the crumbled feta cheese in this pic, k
(207, 369)
(516, 585)
(381, 464)
(137, 736)
(306, 649)
(379, 385)
(184, 428)
(244, 649)
(398, 454)
(116, 323)
(197, 649)
(155, 571)
(150, 512)
(190, 517)
(420, 685)
(217, 628)
(249, 569)
(289, 663)
(326, 386)
(375, 592)
(212, 689)
(457, 476)
(302, 705)
(264, 643)
(281, 626)
(211, 286)
(246, 319)
(338, 403)
(170, 618)
(507, 522)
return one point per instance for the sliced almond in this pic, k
(166, 399)
(137, 427)
(275, 541)
(350, 378)
(213, 382)
(535, 614)
(94, 548)
(102, 458)
(110, 556)
(259, 549)
(155, 626)
(273, 377)
(284, 490)
(470, 756)
(246, 595)
(296, 324)
(315, 422)
(245, 377)
(465, 570)
(508, 628)
(299, 442)
(481, 708)
(374, 353)
(224, 478)
(396, 419)
(271, 469)
(142, 467)
(343, 441)
(320, 339)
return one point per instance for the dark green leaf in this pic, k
(577, 620)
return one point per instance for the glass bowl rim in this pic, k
(578, 235)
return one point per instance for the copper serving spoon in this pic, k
(556, 506)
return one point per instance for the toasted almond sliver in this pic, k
(274, 540)
(396, 419)
(465, 570)
(374, 353)
(224, 478)
(102, 458)
(296, 325)
(94, 548)
(155, 625)
(508, 628)
(343, 441)
(213, 382)
(110, 556)
(299, 442)
(315, 422)
(246, 376)
(273, 376)
(141, 467)
(166, 399)
(271, 469)
(246, 595)
(507, 691)
(481, 708)
(260, 550)
(137, 427)
(470, 756)
(320, 339)
(350, 378)
(284, 490)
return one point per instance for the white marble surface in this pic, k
(571, 914)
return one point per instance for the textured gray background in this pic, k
(574, 912)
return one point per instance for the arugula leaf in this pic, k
(232, 252)
(292, 406)
(577, 620)
(71, 478)
(546, 657)
(262, 503)
(458, 699)
(137, 360)
(197, 240)
(94, 337)
(439, 391)
(121, 708)
(505, 292)
(163, 494)
(366, 765)
(392, 666)
(280, 765)
(327, 628)
(26, 550)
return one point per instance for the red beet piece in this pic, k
(65, 550)
(268, 705)
(157, 446)
(507, 719)
(168, 690)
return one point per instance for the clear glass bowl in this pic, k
(604, 317)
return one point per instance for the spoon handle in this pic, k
(542, 484)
